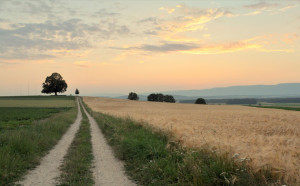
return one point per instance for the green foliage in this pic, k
(76, 91)
(169, 99)
(54, 84)
(152, 159)
(76, 168)
(161, 98)
(22, 148)
(200, 101)
(13, 118)
(133, 96)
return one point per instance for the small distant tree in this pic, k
(200, 101)
(133, 96)
(54, 84)
(76, 91)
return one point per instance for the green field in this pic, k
(12, 118)
(37, 101)
(29, 127)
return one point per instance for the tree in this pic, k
(133, 96)
(169, 99)
(161, 98)
(76, 91)
(152, 97)
(200, 101)
(54, 84)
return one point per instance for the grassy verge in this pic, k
(280, 107)
(22, 148)
(76, 169)
(152, 159)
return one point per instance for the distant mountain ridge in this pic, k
(283, 90)
(280, 90)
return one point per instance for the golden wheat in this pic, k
(266, 136)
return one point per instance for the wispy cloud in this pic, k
(262, 6)
(82, 63)
(270, 7)
(264, 43)
(37, 40)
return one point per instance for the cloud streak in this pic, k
(37, 40)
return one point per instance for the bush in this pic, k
(161, 98)
(133, 96)
(200, 101)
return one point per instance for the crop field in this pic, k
(11, 117)
(37, 101)
(30, 126)
(264, 137)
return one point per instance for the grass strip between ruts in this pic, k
(152, 159)
(76, 168)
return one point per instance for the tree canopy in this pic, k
(76, 91)
(161, 98)
(133, 96)
(200, 101)
(54, 84)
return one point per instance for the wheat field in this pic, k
(266, 136)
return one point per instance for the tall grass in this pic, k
(76, 169)
(22, 148)
(152, 158)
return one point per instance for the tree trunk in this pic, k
(55, 93)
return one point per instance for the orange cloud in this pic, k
(290, 38)
(82, 63)
(223, 48)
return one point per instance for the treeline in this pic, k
(161, 98)
(153, 97)
(247, 101)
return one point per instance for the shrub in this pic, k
(133, 96)
(200, 101)
(161, 98)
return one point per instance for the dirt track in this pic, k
(47, 172)
(107, 169)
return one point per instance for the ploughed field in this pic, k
(265, 136)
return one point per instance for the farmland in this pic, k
(37, 101)
(264, 137)
(29, 127)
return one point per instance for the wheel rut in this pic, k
(107, 171)
(46, 173)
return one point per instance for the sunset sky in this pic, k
(102, 46)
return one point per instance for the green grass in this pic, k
(13, 118)
(152, 159)
(36, 97)
(280, 107)
(76, 169)
(37, 101)
(22, 148)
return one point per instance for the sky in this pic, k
(119, 46)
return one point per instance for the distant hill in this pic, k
(258, 91)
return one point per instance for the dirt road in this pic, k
(46, 173)
(107, 169)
